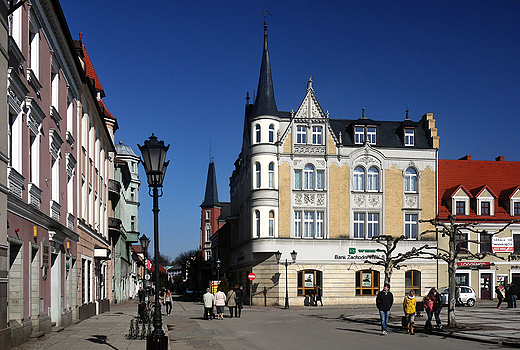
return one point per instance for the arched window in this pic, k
(367, 282)
(271, 223)
(257, 224)
(258, 175)
(412, 280)
(410, 180)
(308, 177)
(271, 175)
(359, 179)
(306, 281)
(271, 133)
(258, 138)
(373, 179)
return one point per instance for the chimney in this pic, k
(500, 158)
(466, 157)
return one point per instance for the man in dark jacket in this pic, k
(239, 300)
(513, 292)
(384, 301)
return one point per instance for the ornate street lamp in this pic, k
(218, 264)
(154, 154)
(278, 256)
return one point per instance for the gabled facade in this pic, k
(324, 187)
(486, 193)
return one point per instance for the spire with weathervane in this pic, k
(264, 102)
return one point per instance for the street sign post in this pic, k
(251, 277)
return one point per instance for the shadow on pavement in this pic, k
(100, 339)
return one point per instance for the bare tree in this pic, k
(388, 260)
(457, 250)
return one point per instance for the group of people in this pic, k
(234, 301)
(432, 306)
(508, 293)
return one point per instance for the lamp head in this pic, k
(293, 255)
(145, 241)
(154, 154)
(278, 256)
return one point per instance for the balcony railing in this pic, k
(114, 186)
(114, 223)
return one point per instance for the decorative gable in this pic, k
(485, 201)
(460, 201)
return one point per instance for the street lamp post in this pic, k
(218, 264)
(278, 256)
(154, 154)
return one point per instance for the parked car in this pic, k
(467, 295)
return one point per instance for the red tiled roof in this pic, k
(105, 109)
(91, 72)
(500, 178)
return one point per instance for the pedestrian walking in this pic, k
(500, 296)
(317, 295)
(239, 300)
(409, 307)
(168, 302)
(508, 296)
(513, 292)
(220, 303)
(437, 306)
(428, 308)
(208, 300)
(231, 302)
(458, 300)
(384, 302)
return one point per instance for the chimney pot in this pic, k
(500, 158)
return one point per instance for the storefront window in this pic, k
(462, 279)
(306, 281)
(367, 282)
(412, 280)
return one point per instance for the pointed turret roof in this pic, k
(211, 196)
(265, 103)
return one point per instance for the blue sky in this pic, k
(181, 70)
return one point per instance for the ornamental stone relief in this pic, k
(367, 201)
(298, 199)
(320, 162)
(359, 200)
(366, 160)
(306, 149)
(410, 201)
(309, 199)
(320, 200)
(374, 201)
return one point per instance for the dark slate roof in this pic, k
(389, 134)
(122, 149)
(211, 196)
(224, 211)
(265, 103)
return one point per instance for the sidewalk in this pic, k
(187, 331)
(483, 323)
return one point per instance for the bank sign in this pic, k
(503, 244)
(359, 254)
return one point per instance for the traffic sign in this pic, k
(251, 276)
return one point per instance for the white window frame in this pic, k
(372, 135)
(358, 222)
(317, 133)
(257, 222)
(301, 134)
(208, 214)
(271, 133)
(271, 175)
(515, 202)
(297, 224)
(320, 229)
(258, 133)
(409, 137)
(359, 176)
(359, 135)
(372, 226)
(258, 175)
(373, 179)
(298, 179)
(308, 177)
(320, 179)
(411, 181)
(207, 231)
(308, 224)
(411, 220)
(271, 223)
(483, 199)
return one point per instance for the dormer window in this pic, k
(301, 134)
(485, 201)
(460, 208)
(361, 131)
(409, 137)
(485, 208)
(516, 208)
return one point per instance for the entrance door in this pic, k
(485, 286)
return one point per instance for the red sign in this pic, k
(251, 276)
(148, 264)
(474, 264)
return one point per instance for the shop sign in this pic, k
(309, 279)
(367, 279)
(474, 265)
(502, 244)
(359, 254)
(45, 250)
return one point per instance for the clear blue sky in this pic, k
(181, 69)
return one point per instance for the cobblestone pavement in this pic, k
(187, 330)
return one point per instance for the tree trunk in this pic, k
(452, 270)
(388, 274)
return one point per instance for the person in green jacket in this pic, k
(409, 307)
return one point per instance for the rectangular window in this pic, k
(409, 137)
(297, 224)
(359, 135)
(301, 134)
(516, 208)
(297, 179)
(371, 135)
(207, 214)
(308, 224)
(208, 233)
(516, 243)
(132, 223)
(359, 225)
(485, 243)
(460, 208)
(461, 241)
(320, 174)
(410, 225)
(485, 208)
(373, 225)
(319, 224)
(316, 135)
(271, 224)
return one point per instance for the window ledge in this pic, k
(55, 115)
(33, 79)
